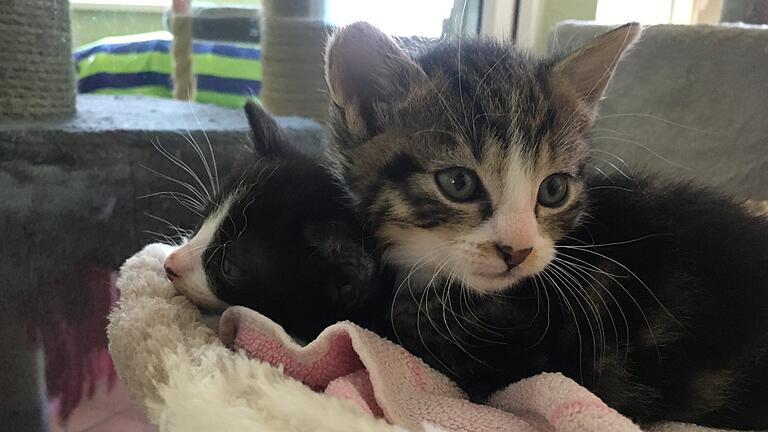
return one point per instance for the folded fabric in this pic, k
(383, 379)
(348, 379)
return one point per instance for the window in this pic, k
(658, 11)
(123, 46)
(121, 5)
(423, 17)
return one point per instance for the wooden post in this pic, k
(185, 85)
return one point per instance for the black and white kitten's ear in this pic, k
(366, 70)
(586, 73)
(268, 136)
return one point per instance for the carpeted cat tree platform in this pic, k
(77, 198)
(83, 185)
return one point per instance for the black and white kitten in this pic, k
(280, 238)
(469, 160)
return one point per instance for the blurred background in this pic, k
(95, 19)
(145, 23)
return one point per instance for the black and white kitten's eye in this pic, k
(231, 270)
(458, 183)
(553, 190)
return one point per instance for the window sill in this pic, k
(146, 6)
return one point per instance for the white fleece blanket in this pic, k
(188, 380)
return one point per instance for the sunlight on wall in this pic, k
(395, 17)
(646, 12)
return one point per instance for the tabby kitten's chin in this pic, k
(435, 257)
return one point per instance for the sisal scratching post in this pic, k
(36, 70)
(292, 43)
(184, 83)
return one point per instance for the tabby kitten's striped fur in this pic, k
(469, 161)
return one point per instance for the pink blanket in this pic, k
(384, 380)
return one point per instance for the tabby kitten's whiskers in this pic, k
(471, 162)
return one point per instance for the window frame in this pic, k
(499, 18)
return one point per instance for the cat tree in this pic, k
(292, 43)
(36, 75)
(745, 11)
(36, 83)
(70, 185)
(293, 35)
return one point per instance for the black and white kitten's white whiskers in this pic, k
(469, 161)
(278, 238)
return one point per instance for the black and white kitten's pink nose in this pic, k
(512, 257)
(170, 273)
(176, 265)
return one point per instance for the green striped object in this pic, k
(227, 74)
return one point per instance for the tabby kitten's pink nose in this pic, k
(512, 258)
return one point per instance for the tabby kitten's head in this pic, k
(468, 156)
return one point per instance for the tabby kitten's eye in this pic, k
(553, 190)
(458, 183)
(230, 270)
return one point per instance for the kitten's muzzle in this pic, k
(512, 258)
(179, 264)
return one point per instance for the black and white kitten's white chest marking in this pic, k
(280, 239)
(472, 169)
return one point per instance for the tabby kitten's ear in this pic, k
(268, 137)
(365, 71)
(585, 74)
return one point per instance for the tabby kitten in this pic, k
(469, 159)
(280, 238)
